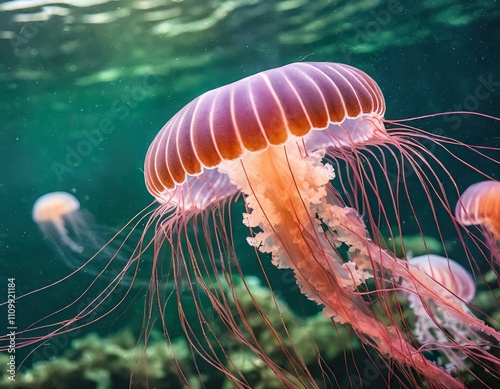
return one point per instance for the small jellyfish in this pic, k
(60, 220)
(78, 240)
(480, 205)
(434, 328)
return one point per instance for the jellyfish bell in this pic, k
(449, 273)
(433, 329)
(479, 204)
(275, 141)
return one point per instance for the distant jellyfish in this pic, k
(480, 204)
(78, 240)
(60, 220)
(434, 328)
(449, 273)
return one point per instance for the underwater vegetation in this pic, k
(107, 362)
(104, 363)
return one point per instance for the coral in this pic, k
(96, 362)
(105, 363)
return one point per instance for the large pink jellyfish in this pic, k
(267, 137)
(278, 139)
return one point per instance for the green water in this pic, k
(85, 88)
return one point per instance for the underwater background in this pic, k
(66, 67)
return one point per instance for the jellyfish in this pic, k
(269, 137)
(78, 241)
(305, 152)
(480, 205)
(58, 213)
(433, 328)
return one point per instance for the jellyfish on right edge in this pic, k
(274, 139)
(479, 205)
